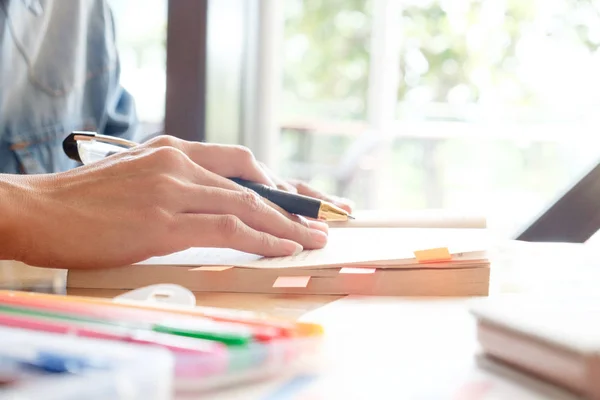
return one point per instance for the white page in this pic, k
(383, 246)
(430, 218)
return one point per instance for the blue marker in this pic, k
(55, 362)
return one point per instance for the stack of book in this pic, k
(555, 340)
(365, 261)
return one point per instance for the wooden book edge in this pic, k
(575, 371)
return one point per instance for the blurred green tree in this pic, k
(326, 58)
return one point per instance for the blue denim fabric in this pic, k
(59, 72)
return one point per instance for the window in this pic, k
(492, 101)
(141, 44)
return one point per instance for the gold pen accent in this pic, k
(331, 212)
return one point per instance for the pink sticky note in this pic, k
(215, 268)
(291, 281)
(350, 270)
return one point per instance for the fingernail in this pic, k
(292, 248)
(321, 226)
(319, 237)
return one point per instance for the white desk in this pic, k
(400, 348)
(386, 348)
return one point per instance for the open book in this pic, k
(355, 261)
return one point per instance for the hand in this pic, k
(161, 197)
(239, 162)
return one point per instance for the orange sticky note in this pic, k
(351, 270)
(291, 281)
(215, 268)
(433, 255)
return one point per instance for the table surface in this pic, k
(395, 347)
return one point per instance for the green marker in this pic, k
(205, 331)
(200, 329)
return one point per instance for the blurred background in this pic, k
(484, 106)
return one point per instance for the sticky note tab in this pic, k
(439, 254)
(349, 270)
(291, 281)
(215, 268)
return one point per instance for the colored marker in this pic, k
(53, 361)
(228, 337)
(107, 312)
(287, 328)
(175, 344)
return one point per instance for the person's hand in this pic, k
(160, 197)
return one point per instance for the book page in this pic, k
(413, 219)
(374, 246)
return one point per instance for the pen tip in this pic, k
(350, 217)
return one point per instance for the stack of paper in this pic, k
(367, 261)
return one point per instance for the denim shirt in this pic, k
(59, 72)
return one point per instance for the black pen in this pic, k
(296, 203)
(291, 202)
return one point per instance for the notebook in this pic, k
(557, 340)
(370, 261)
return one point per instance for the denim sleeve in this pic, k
(59, 72)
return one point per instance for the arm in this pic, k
(13, 189)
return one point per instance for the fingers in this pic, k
(253, 212)
(321, 226)
(237, 161)
(307, 190)
(309, 223)
(281, 184)
(227, 231)
(225, 160)
(208, 178)
(187, 185)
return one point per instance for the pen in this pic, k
(285, 328)
(86, 147)
(296, 203)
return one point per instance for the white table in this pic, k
(402, 348)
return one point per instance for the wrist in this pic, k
(14, 191)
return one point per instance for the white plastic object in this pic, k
(160, 293)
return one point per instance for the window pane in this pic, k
(509, 89)
(141, 27)
(529, 61)
(326, 58)
(496, 108)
